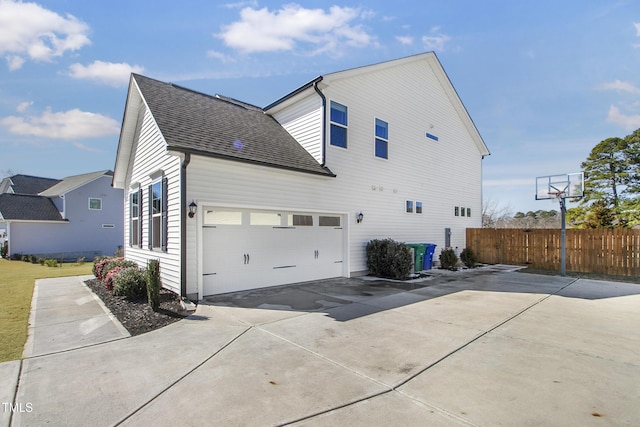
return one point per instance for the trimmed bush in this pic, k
(468, 257)
(109, 277)
(99, 264)
(118, 262)
(448, 259)
(153, 284)
(388, 258)
(130, 282)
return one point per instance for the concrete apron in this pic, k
(484, 349)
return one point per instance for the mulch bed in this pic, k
(136, 315)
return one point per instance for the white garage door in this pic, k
(247, 249)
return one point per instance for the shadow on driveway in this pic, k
(345, 299)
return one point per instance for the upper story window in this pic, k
(338, 118)
(95, 204)
(382, 139)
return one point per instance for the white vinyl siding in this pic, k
(150, 158)
(304, 122)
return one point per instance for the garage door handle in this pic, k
(248, 258)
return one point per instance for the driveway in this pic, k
(492, 347)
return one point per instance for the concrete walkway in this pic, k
(493, 348)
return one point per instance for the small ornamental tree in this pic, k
(153, 284)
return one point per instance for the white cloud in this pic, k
(262, 30)
(405, 40)
(628, 121)
(225, 59)
(435, 41)
(114, 74)
(72, 124)
(27, 30)
(621, 86)
(240, 4)
(637, 25)
(23, 106)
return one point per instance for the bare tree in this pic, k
(494, 215)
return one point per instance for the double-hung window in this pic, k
(382, 139)
(338, 118)
(135, 218)
(158, 215)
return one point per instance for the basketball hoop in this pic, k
(557, 195)
(561, 187)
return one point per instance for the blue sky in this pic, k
(544, 81)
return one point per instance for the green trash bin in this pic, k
(419, 251)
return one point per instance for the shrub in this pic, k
(109, 277)
(4, 249)
(153, 284)
(99, 264)
(117, 262)
(80, 261)
(51, 262)
(130, 283)
(448, 259)
(388, 258)
(26, 258)
(16, 257)
(468, 257)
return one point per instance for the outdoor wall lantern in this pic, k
(359, 217)
(192, 209)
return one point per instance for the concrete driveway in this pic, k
(492, 347)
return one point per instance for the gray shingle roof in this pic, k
(72, 182)
(26, 184)
(28, 207)
(219, 127)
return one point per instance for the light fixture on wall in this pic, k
(359, 217)
(192, 209)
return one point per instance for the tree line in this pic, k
(611, 193)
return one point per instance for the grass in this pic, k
(17, 280)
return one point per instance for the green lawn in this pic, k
(16, 289)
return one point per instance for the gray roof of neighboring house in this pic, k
(26, 184)
(220, 127)
(28, 207)
(72, 182)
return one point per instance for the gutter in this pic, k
(183, 225)
(324, 120)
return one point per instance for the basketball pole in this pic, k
(563, 238)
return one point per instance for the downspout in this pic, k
(324, 120)
(183, 225)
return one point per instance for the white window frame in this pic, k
(92, 199)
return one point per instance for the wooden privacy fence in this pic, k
(602, 251)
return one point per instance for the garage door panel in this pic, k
(245, 256)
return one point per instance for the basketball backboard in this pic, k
(563, 186)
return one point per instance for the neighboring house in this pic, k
(26, 184)
(79, 216)
(293, 192)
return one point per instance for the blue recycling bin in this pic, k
(428, 256)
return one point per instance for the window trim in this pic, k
(138, 218)
(378, 138)
(92, 199)
(344, 126)
(409, 207)
(163, 228)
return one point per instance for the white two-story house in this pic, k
(229, 196)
